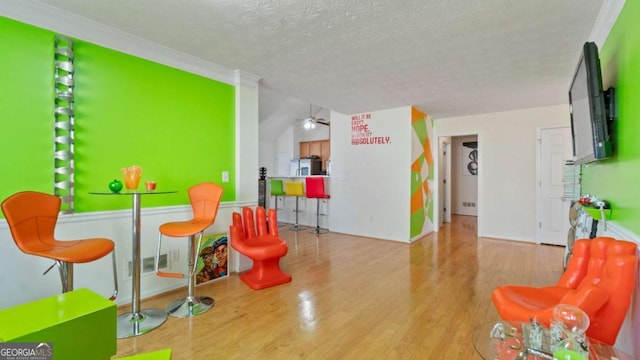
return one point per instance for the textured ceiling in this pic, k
(446, 57)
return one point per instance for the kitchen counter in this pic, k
(295, 176)
(307, 207)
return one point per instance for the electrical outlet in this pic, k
(225, 176)
(175, 255)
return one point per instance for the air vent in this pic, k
(148, 264)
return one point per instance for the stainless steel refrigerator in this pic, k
(305, 167)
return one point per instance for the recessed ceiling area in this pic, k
(445, 57)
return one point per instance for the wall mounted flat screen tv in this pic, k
(588, 106)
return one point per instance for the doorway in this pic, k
(464, 175)
(552, 209)
(458, 175)
(444, 184)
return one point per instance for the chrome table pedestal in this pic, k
(137, 322)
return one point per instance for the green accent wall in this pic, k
(178, 126)
(26, 108)
(617, 179)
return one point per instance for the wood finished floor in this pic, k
(357, 298)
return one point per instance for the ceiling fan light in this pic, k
(309, 124)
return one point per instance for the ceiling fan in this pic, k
(310, 121)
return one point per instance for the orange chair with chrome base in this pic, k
(258, 239)
(32, 218)
(205, 201)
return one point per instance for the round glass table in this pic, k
(137, 322)
(513, 346)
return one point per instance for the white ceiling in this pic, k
(445, 57)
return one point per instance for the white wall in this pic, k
(285, 152)
(370, 184)
(507, 158)
(267, 152)
(321, 132)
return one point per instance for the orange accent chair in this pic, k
(315, 190)
(259, 241)
(205, 201)
(32, 218)
(604, 288)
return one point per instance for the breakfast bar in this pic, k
(306, 207)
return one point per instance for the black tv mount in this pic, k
(610, 104)
(611, 111)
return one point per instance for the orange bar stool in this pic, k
(315, 190)
(277, 190)
(295, 188)
(205, 201)
(32, 218)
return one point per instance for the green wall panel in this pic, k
(179, 127)
(617, 179)
(26, 108)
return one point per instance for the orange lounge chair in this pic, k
(604, 292)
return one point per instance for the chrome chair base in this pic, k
(190, 306)
(131, 324)
(317, 230)
(297, 228)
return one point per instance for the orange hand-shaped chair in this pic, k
(603, 291)
(260, 242)
(32, 218)
(205, 201)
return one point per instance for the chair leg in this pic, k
(280, 224)
(66, 275)
(191, 305)
(317, 230)
(297, 227)
(115, 275)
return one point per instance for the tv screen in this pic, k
(591, 139)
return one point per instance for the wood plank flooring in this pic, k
(357, 298)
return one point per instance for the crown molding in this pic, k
(246, 78)
(604, 22)
(51, 18)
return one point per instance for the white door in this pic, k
(554, 148)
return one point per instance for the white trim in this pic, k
(604, 22)
(64, 22)
(126, 213)
(618, 231)
(246, 79)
